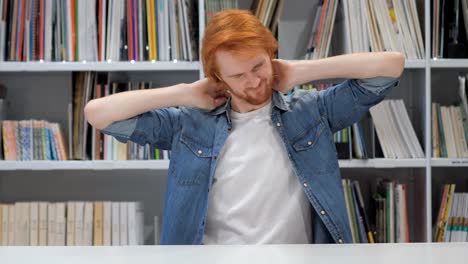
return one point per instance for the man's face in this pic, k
(249, 77)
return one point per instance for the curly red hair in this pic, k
(235, 31)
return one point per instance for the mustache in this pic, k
(262, 82)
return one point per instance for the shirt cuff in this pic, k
(378, 85)
(121, 130)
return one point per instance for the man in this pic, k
(250, 165)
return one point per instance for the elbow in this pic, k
(394, 64)
(93, 112)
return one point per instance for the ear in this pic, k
(220, 81)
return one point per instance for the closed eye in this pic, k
(258, 66)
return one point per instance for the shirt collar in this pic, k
(277, 100)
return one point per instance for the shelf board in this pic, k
(99, 66)
(409, 64)
(85, 165)
(449, 63)
(383, 163)
(164, 164)
(124, 66)
(414, 64)
(445, 162)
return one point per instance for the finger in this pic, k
(220, 100)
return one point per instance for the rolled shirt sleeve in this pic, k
(155, 128)
(378, 85)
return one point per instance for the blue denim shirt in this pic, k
(305, 120)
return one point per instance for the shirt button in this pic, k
(215, 157)
(305, 184)
(309, 143)
(322, 212)
(340, 241)
(200, 152)
(278, 124)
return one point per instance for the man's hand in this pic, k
(207, 94)
(283, 79)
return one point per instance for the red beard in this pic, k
(257, 95)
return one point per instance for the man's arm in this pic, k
(102, 112)
(348, 66)
(150, 116)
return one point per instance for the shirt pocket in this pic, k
(195, 162)
(308, 139)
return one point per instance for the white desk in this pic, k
(271, 254)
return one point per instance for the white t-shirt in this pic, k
(256, 197)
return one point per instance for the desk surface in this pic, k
(446, 253)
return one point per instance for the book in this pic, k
(50, 30)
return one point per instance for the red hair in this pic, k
(234, 31)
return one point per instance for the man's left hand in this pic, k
(283, 79)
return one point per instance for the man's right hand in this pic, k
(207, 94)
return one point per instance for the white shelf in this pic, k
(409, 64)
(449, 63)
(85, 165)
(445, 162)
(414, 64)
(164, 164)
(404, 253)
(127, 66)
(383, 163)
(99, 66)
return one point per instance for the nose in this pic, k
(253, 80)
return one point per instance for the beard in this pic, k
(256, 95)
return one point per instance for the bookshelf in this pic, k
(223, 254)
(448, 63)
(43, 90)
(162, 165)
(99, 66)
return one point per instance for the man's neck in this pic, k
(244, 107)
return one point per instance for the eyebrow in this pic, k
(256, 65)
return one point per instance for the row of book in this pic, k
(72, 223)
(450, 130)
(214, 6)
(98, 30)
(450, 125)
(33, 140)
(390, 208)
(350, 143)
(395, 131)
(449, 28)
(88, 143)
(380, 25)
(452, 219)
(40, 140)
(385, 25)
(268, 12)
(322, 30)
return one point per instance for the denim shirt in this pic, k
(305, 120)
